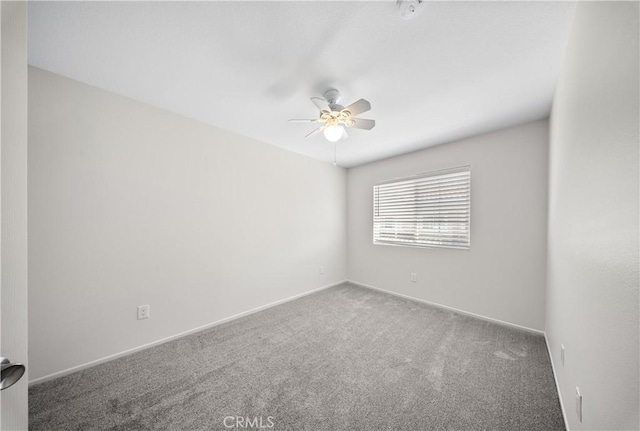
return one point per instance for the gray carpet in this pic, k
(346, 358)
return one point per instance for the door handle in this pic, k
(10, 373)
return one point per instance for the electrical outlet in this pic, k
(562, 353)
(414, 277)
(578, 404)
(321, 270)
(144, 312)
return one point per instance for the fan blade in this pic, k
(300, 120)
(319, 129)
(312, 132)
(321, 104)
(358, 107)
(361, 123)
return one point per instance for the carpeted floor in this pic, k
(345, 358)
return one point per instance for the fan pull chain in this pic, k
(335, 146)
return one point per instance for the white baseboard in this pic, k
(179, 335)
(555, 378)
(455, 310)
(273, 304)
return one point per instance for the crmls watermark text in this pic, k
(242, 422)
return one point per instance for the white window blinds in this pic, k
(429, 210)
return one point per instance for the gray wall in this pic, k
(132, 205)
(502, 276)
(592, 297)
(13, 75)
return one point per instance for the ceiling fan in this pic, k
(334, 117)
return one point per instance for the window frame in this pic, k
(430, 174)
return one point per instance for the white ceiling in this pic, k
(458, 69)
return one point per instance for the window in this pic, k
(428, 210)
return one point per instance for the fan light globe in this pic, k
(333, 133)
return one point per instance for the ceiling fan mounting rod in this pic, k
(332, 96)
